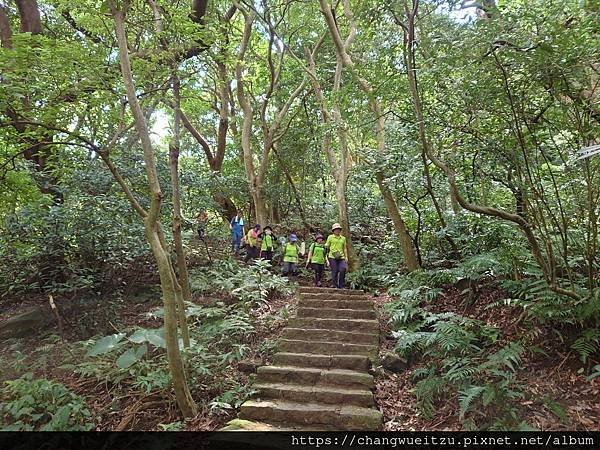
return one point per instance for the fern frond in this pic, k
(466, 397)
(587, 344)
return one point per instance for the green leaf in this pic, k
(156, 337)
(106, 344)
(131, 356)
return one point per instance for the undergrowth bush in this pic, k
(543, 306)
(30, 404)
(459, 355)
(252, 285)
(78, 245)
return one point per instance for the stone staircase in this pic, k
(320, 379)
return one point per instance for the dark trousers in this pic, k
(338, 272)
(318, 268)
(289, 268)
(251, 253)
(268, 255)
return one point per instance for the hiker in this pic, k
(252, 243)
(236, 225)
(316, 258)
(337, 256)
(266, 247)
(290, 256)
(201, 219)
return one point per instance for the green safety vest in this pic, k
(290, 253)
(267, 242)
(336, 244)
(318, 253)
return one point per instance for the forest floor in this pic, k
(45, 355)
(553, 382)
(549, 379)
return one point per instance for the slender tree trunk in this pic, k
(339, 170)
(38, 144)
(524, 225)
(248, 113)
(342, 201)
(410, 257)
(152, 225)
(295, 191)
(184, 292)
(342, 48)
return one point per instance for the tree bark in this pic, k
(272, 132)
(39, 149)
(184, 293)
(30, 16)
(152, 224)
(524, 225)
(342, 48)
(340, 170)
(5, 29)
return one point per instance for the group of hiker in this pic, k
(260, 243)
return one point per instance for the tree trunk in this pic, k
(408, 252)
(295, 191)
(341, 48)
(342, 201)
(227, 208)
(339, 171)
(184, 293)
(38, 148)
(152, 225)
(260, 210)
(523, 224)
(30, 16)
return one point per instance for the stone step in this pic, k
(264, 441)
(335, 304)
(356, 325)
(346, 417)
(351, 362)
(332, 313)
(326, 290)
(310, 376)
(315, 394)
(316, 334)
(326, 347)
(328, 296)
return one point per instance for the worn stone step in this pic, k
(319, 290)
(310, 376)
(332, 313)
(352, 362)
(346, 417)
(264, 441)
(315, 394)
(335, 304)
(335, 296)
(357, 325)
(315, 334)
(327, 348)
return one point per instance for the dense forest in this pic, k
(453, 145)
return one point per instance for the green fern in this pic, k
(460, 370)
(428, 391)
(587, 344)
(508, 356)
(466, 397)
